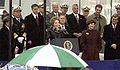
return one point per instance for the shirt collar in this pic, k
(34, 15)
(95, 17)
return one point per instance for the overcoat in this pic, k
(90, 44)
(111, 36)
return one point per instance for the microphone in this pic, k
(64, 31)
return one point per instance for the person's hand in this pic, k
(79, 34)
(16, 50)
(23, 26)
(20, 39)
(75, 34)
(114, 46)
(30, 42)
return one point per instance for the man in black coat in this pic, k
(35, 28)
(18, 29)
(76, 22)
(111, 36)
(6, 54)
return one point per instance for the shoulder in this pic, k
(102, 16)
(28, 16)
(92, 15)
(81, 15)
(108, 25)
(71, 14)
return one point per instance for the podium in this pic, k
(68, 43)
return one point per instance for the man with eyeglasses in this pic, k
(85, 11)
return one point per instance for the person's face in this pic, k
(75, 9)
(118, 11)
(35, 10)
(85, 13)
(55, 8)
(8, 23)
(56, 23)
(17, 13)
(62, 20)
(91, 26)
(5, 13)
(98, 11)
(41, 10)
(114, 20)
(64, 10)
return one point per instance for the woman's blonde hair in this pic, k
(52, 20)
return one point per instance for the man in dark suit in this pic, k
(35, 28)
(111, 36)
(6, 53)
(76, 22)
(18, 29)
(55, 12)
(64, 26)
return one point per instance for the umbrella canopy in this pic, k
(50, 56)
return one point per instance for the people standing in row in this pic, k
(111, 36)
(90, 42)
(35, 28)
(18, 29)
(76, 22)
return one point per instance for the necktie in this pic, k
(19, 19)
(77, 18)
(114, 26)
(99, 26)
(63, 26)
(37, 20)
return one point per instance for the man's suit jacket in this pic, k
(76, 27)
(49, 16)
(17, 29)
(35, 32)
(4, 45)
(111, 36)
(17, 26)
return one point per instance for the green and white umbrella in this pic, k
(49, 56)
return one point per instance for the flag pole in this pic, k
(44, 21)
(10, 31)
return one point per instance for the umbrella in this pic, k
(49, 56)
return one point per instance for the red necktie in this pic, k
(37, 20)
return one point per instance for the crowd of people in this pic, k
(91, 31)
